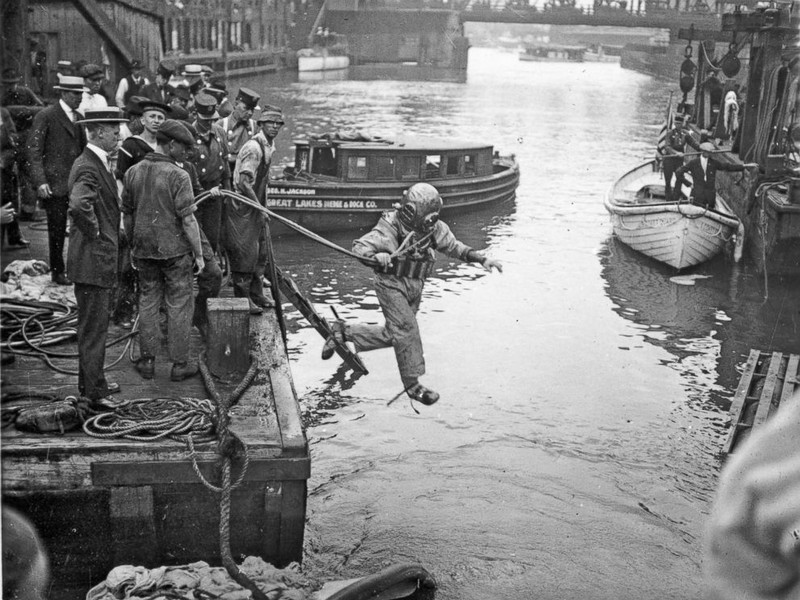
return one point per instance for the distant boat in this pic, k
(329, 53)
(599, 54)
(553, 52)
(346, 180)
(678, 234)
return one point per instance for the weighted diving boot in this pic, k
(422, 394)
(241, 289)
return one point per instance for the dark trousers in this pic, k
(209, 217)
(9, 194)
(209, 282)
(56, 208)
(126, 294)
(670, 165)
(93, 315)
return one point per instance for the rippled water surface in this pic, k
(574, 451)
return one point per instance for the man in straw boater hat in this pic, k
(159, 89)
(245, 226)
(93, 248)
(703, 170)
(54, 143)
(211, 160)
(239, 126)
(158, 212)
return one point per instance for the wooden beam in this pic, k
(106, 29)
(703, 35)
(737, 406)
(765, 405)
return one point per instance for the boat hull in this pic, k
(680, 235)
(333, 205)
(322, 63)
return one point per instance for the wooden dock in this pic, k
(100, 503)
(768, 381)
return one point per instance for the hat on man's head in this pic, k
(109, 114)
(192, 70)
(165, 70)
(196, 86)
(707, 147)
(218, 83)
(149, 105)
(206, 69)
(179, 113)
(10, 75)
(64, 65)
(134, 105)
(175, 130)
(219, 95)
(270, 113)
(68, 83)
(180, 91)
(92, 71)
(206, 107)
(135, 64)
(248, 97)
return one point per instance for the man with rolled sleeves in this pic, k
(158, 211)
(54, 143)
(239, 127)
(93, 248)
(211, 160)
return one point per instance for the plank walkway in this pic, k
(769, 380)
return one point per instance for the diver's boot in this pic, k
(422, 394)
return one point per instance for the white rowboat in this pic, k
(676, 233)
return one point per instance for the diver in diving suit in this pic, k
(404, 245)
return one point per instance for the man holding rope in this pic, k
(245, 227)
(93, 249)
(402, 249)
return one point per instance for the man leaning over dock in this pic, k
(158, 207)
(93, 249)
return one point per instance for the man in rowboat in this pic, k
(703, 170)
(404, 245)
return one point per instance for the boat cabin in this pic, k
(406, 161)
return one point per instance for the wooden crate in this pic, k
(769, 379)
(100, 503)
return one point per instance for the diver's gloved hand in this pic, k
(384, 259)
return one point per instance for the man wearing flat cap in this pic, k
(131, 84)
(93, 76)
(54, 143)
(14, 94)
(246, 228)
(239, 126)
(158, 208)
(211, 160)
(703, 170)
(93, 249)
(159, 89)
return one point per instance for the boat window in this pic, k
(469, 164)
(384, 167)
(301, 161)
(356, 167)
(408, 167)
(324, 161)
(432, 163)
(452, 165)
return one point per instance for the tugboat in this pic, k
(768, 131)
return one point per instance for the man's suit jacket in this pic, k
(153, 92)
(53, 145)
(704, 183)
(94, 233)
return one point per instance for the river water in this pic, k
(584, 395)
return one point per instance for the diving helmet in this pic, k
(420, 208)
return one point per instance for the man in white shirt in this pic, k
(130, 85)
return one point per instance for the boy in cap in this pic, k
(93, 75)
(246, 228)
(54, 143)
(211, 160)
(159, 89)
(131, 84)
(93, 249)
(400, 277)
(158, 208)
(239, 126)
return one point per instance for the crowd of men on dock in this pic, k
(141, 174)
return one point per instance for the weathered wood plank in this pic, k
(293, 512)
(739, 397)
(229, 335)
(790, 380)
(133, 525)
(765, 404)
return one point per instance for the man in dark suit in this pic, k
(54, 143)
(159, 89)
(93, 248)
(703, 170)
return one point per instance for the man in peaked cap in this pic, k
(217, 88)
(54, 143)
(158, 208)
(93, 76)
(131, 84)
(93, 249)
(704, 169)
(211, 160)
(239, 126)
(246, 228)
(159, 89)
